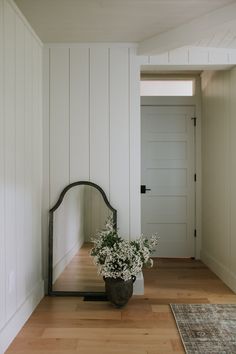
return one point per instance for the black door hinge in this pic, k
(194, 121)
(195, 233)
(195, 177)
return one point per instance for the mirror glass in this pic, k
(76, 221)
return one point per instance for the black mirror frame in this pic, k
(51, 292)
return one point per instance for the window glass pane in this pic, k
(166, 88)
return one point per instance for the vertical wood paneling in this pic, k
(79, 114)
(59, 122)
(218, 209)
(20, 171)
(29, 257)
(134, 149)
(38, 141)
(35, 159)
(10, 227)
(20, 153)
(2, 179)
(97, 136)
(36, 163)
(119, 135)
(232, 170)
(46, 158)
(178, 56)
(99, 117)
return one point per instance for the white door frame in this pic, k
(187, 101)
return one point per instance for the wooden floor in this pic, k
(144, 326)
(80, 274)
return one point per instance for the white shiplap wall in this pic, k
(21, 285)
(193, 56)
(92, 125)
(219, 172)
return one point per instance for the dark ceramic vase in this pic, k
(119, 291)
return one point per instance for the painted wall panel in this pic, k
(232, 171)
(39, 138)
(79, 114)
(10, 212)
(99, 117)
(20, 171)
(59, 122)
(216, 152)
(46, 160)
(190, 55)
(217, 56)
(119, 135)
(178, 56)
(198, 55)
(103, 121)
(37, 158)
(218, 195)
(2, 180)
(28, 158)
(20, 153)
(135, 145)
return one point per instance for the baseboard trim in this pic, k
(14, 325)
(223, 272)
(139, 285)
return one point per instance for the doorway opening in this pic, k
(168, 163)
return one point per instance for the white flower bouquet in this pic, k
(119, 258)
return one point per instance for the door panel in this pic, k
(168, 170)
(167, 150)
(167, 177)
(165, 209)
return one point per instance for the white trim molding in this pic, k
(13, 326)
(224, 273)
(191, 56)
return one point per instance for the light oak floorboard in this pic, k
(145, 326)
(80, 274)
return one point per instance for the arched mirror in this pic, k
(81, 210)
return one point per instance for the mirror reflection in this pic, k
(81, 214)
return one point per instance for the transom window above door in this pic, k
(167, 87)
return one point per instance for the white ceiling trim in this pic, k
(90, 44)
(190, 32)
(193, 56)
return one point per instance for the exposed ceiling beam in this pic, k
(190, 32)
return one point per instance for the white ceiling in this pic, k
(114, 20)
(224, 39)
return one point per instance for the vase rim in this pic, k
(133, 278)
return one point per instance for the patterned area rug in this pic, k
(206, 328)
